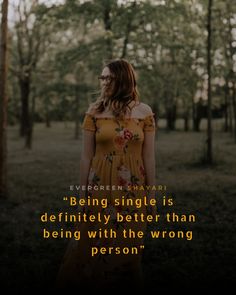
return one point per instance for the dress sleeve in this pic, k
(149, 123)
(89, 122)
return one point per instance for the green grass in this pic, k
(38, 179)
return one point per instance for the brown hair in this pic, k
(122, 89)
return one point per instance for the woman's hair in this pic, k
(122, 89)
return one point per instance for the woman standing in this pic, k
(118, 151)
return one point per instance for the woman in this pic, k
(118, 154)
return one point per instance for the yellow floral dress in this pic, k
(117, 163)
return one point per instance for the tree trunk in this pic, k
(47, 115)
(171, 117)
(128, 31)
(3, 101)
(29, 134)
(198, 114)
(108, 29)
(77, 121)
(25, 115)
(24, 92)
(234, 108)
(226, 109)
(186, 121)
(48, 121)
(232, 72)
(209, 62)
(230, 118)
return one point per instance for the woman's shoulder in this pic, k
(144, 109)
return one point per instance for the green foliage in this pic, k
(165, 41)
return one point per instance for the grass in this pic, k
(38, 180)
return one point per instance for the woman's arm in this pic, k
(149, 157)
(87, 153)
(150, 166)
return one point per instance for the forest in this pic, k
(184, 54)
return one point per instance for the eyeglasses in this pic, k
(106, 78)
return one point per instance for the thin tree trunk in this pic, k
(3, 101)
(230, 118)
(47, 113)
(26, 120)
(209, 62)
(77, 112)
(186, 121)
(232, 74)
(226, 110)
(24, 90)
(48, 121)
(29, 135)
(171, 117)
(108, 29)
(234, 108)
(128, 30)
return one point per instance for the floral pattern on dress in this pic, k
(93, 178)
(122, 138)
(109, 156)
(124, 175)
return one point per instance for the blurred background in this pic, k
(184, 53)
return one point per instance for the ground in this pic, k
(38, 179)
